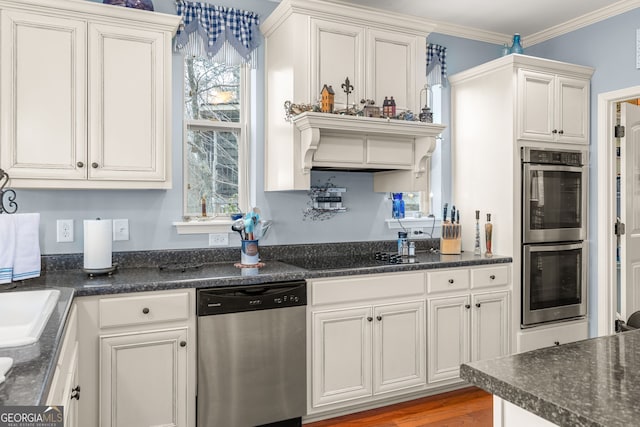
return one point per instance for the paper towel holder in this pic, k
(7, 194)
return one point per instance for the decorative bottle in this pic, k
(516, 47)
(476, 248)
(203, 205)
(385, 107)
(392, 107)
(397, 209)
(506, 50)
(488, 232)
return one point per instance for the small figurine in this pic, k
(327, 97)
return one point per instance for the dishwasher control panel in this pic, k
(249, 298)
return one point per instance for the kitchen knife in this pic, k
(458, 217)
(444, 214)
(453, 214)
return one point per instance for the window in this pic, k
(421, 201)
(216, 153)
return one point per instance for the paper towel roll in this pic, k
(97, 243)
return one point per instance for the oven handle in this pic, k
(549, 248)
(544, 167)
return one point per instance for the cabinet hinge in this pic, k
(618, 131)
(619, 228)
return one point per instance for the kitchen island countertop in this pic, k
(594, 382)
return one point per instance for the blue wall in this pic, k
(608, 46)
(152, 212)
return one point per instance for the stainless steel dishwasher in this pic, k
(252, 355)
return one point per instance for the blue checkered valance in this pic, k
(219, 33)
(436, 64)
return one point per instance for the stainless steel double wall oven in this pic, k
(554, 224)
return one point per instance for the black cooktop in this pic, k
(351, 261)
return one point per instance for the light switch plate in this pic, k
(120, 229)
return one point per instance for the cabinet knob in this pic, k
(80, 164)
(451, 281)
(467, 306)
(554, 131)
(370, 319)
(556, 343)
(94, 165)
(561, 132)
(478, 304)
(379, 318)
(183, 343)
(75, 393)
(492, 277)
(145, 310)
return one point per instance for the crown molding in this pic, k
(470, 33)
(580, 22)
(541, 36)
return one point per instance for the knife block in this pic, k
(451, 239)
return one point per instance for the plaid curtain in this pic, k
(220, 33)
(436, 64)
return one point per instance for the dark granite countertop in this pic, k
(28, 380)
(594, 382)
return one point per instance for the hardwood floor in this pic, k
(466, 407)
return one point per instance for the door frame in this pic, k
(606, 207)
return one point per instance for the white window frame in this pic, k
(220, 223)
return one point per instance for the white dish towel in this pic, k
(19, 247)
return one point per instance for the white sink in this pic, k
(23, 315)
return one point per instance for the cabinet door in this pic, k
(128, 95)
(391, 69)
(337, 52)
(536, 92)
(490, 325)
(72, 392)
(143, 379)
(43, 103)
(448, 337)
(572, 110)
(341, 354)
(399, 350)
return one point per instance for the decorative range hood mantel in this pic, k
(397, 151)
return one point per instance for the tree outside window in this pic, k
(215, 121)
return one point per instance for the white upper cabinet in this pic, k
(553, 107)
(85, 95)
(309, 45)
(337, 52)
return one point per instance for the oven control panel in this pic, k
(553, 157)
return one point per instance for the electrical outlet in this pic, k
(64, 230)
(219, 239)
(120, 229)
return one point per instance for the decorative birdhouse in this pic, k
(326, 101)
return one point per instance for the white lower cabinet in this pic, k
(465, 326)
(65, 386)
(365, 351)
(139, 358)
(367, 339)
(143, 378)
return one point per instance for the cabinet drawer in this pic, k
(489, 277)
(359, 288)
(448, 280)
(547, 336)
(143, 309)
